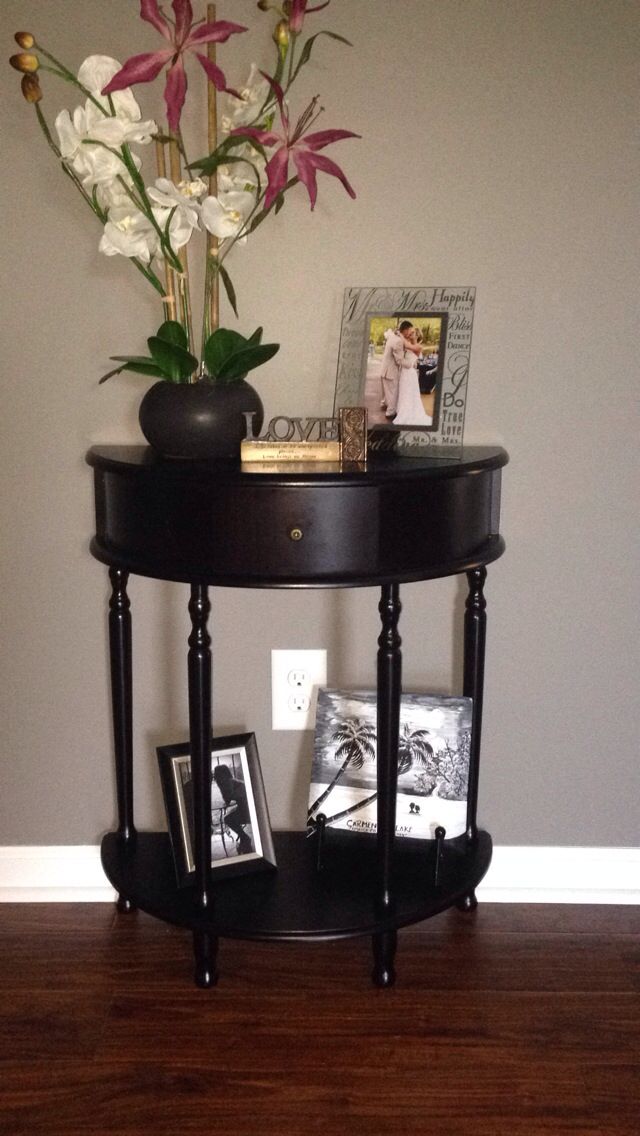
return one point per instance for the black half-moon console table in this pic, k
(308, 527)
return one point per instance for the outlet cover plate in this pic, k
(295, 678)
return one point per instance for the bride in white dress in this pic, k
(411, 412)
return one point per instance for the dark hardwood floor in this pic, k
(515, 1021)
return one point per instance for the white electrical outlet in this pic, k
(295, 678)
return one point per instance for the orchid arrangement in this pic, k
(257, 153)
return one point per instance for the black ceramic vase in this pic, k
(202, 421)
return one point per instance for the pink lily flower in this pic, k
(182, 35)
(301, 149)
(297, 12)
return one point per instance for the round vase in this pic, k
(201, 421)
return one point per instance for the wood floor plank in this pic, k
(50, 1025)
(496, 1027)
(452, 960)
(48, 918)
(510, 918)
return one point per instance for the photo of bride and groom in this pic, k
(402, 369)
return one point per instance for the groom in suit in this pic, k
(391, 368)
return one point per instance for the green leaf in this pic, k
(175, 363)
(256, 337)
(216, 156)
(109, 374)
(137, 363)
(306, 51)
(173, 332)
(246, 360)
(240, 139)
(167, 235)
(229, 288)
(221, 156)
(220, 346)
(277, 77)
(279, 203)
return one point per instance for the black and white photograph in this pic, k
(241, 837)
(404, 355)
(433, 763)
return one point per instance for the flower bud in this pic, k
(31, 88)
(25, 61)
(24, 40)
(281, 34)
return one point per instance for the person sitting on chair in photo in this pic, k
(233, 791)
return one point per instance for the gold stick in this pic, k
(169, 300)
(212, 131)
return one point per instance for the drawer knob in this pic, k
(296, 534)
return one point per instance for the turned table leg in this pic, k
(205, 949)
(122, 709)
(475, 633)
(388, 721)
(199, 672)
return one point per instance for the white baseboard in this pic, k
(73, 874)
(562, 875)
(65, 873)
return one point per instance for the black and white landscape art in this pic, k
(433, 763)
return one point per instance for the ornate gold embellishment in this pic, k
(353, 434)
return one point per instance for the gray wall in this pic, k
(497, 151)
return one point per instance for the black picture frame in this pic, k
(242, 841)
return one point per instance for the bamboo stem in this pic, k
(169, 299)
(183, 280)
(212, 131)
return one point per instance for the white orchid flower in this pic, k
(115, 132)
(125, 123)
(87, 142)
(226, 180)
(88, 138)
(95, 73)
(94, 164)
(180, 229)
(182, 197)
(225, 215)
(242, 175)
(114, 194)
(70, 132)
(129, 233)
(245, 110)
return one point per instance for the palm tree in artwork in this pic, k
(414, 749)
(356, 740)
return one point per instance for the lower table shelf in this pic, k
(296, 901)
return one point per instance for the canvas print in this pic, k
(433, 763)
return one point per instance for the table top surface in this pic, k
(379, 468)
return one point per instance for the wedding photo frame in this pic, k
(431, 409)
(241, 839)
